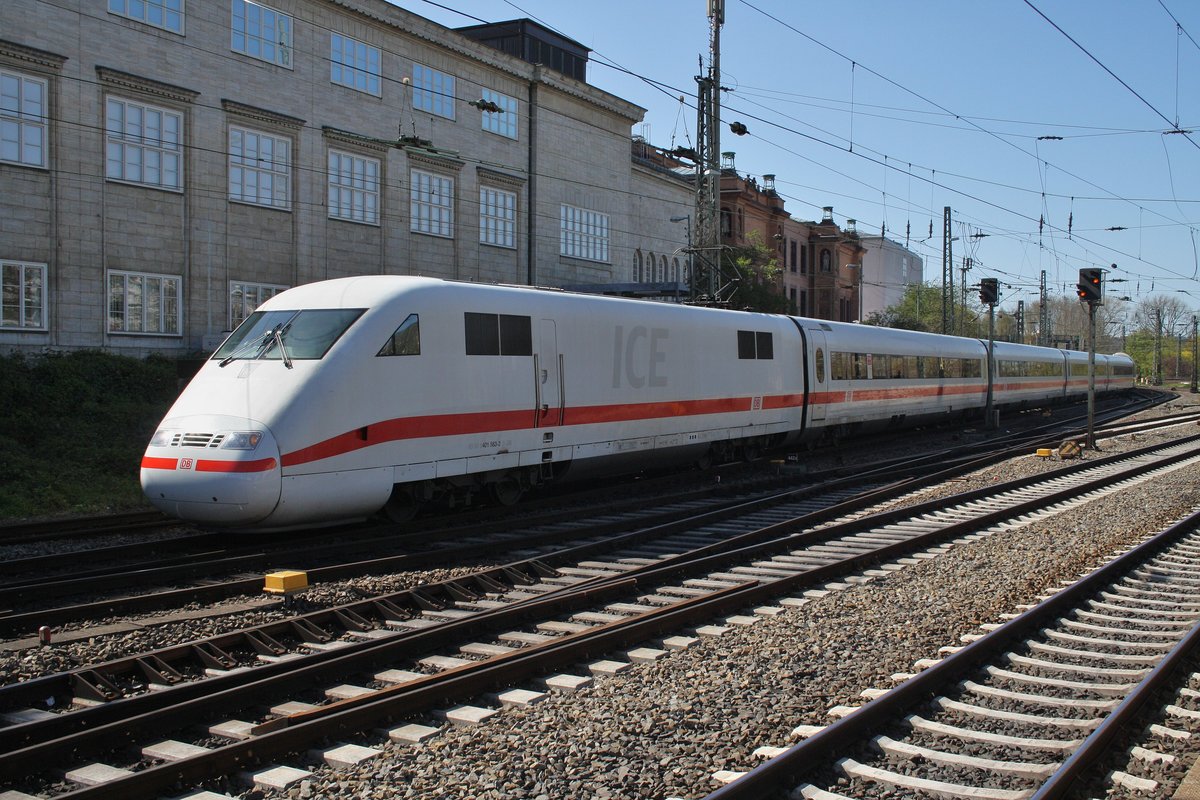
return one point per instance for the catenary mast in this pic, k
(704, 282)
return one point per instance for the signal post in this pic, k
(989, 295)
(1091, 291)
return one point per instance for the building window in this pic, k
(22, 119)
(353, 188)
(260, 168)
(355, 64)
(145, 144)
(165, 14)
(22, 295)
(503, 122)
(143, 303)
(637, 266)
(793, 259)
(583, 233)
(432, 206)
(262, 33)
(497, 217)
(433, 91)
(244, 298)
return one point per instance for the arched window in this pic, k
(637, 266)
(649, 271)
(662, 269)
(675, 270)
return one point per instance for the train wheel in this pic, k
(402, 506)
(507, 491)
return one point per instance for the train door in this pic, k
(818, 389)
(549, 376)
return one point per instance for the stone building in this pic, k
(166, 166)
(889, 268)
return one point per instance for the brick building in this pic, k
(820, 263)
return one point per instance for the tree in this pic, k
(754, 272)
(920, 309)
(1159, 315)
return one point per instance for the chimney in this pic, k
(727, 159)
(769, 183)
(827, 215)
(850, 229)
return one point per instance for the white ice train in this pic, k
(339, 399)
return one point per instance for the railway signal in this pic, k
(1090, 287)
(989, 291)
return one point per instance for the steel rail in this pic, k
(738, 548)
(752, 592)
(787, 769)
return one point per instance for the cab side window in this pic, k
(406, 341)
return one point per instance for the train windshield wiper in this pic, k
(283, 353)
(254, 345)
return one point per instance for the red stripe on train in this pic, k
(492, 422)
(149, 462)
(261, 465)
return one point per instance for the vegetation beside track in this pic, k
(73, 429)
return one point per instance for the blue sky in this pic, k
(890, 110)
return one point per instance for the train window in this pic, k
(755, 344)
(819, 362)
(766, 345)
(498, 335)
(305, 334)
(516, 336)
(881, 366)
(910, 367)
(483, 334)
(858, 366)
(839, 366)
(745, 344)
(312, 332)
(406, 341)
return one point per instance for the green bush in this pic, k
(74, 428)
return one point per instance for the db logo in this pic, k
(185, 463)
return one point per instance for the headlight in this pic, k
(242, 440)
(163, 437)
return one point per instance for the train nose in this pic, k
(212, 470)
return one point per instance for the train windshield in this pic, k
(287, 335)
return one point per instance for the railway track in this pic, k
(207, 569)
(560, 616)
(1029, 710)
